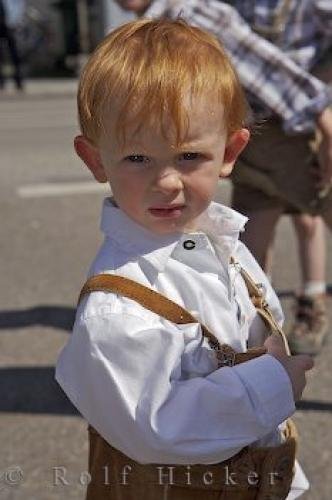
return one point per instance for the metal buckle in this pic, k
(225, 358)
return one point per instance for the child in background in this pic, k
(166, 361)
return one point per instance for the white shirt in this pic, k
(151, 387)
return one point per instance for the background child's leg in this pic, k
(259, 235)
(311, 324)
(311, 246)
(327, 215)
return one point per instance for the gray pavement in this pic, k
(42, 87)
(49, 232)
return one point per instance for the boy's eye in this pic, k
(136, 158)
(189, 156)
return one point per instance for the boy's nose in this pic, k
(169, 181)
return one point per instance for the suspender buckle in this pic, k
(225, 358)
(225, 354)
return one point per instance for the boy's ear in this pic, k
(91, 157)
(234, 146)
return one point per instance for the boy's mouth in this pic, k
(167, 211)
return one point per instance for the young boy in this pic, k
(161, 114)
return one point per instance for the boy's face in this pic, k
(137, 6)
(162, 187)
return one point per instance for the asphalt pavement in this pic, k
(50, 211)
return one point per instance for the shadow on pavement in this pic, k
(33, 390)
(61, 317)
(312, 405)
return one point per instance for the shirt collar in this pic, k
(220, 224)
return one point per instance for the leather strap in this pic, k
(256, 295)
(161, 305)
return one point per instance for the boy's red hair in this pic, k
(144, 70)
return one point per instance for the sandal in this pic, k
(309, 331)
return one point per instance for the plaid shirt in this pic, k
(273, 62)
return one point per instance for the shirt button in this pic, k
(189, 244)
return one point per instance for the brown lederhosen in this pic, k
(253, 473)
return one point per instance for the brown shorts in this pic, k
(275, 171)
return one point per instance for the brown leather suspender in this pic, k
(161, 305)
(262, 307)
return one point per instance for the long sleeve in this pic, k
(127, 376)
(265, 71)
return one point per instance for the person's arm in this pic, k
(125, 375)
(264, 70)
(325, 148)
(322, 17)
